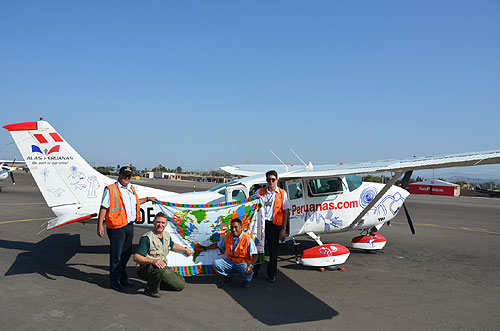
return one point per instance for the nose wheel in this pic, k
(369, 241)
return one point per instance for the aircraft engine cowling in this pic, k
(369, 242)
(324, 255)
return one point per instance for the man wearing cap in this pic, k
(120, 208)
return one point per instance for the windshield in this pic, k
(353, 182)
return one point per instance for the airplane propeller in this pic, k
(404, 183)
(12, 177)
(11, 172)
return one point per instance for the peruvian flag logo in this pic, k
(43, 140)
(36, 149)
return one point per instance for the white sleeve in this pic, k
(252, 250)
(105, 198)
(286, 205)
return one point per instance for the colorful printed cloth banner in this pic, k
(200, 225)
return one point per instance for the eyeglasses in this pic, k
(271, 179)
(127, 176)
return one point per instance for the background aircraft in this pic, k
(6, 171)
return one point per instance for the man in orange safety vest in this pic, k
(120, 207)
(241, 254)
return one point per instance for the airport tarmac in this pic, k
(444, 277)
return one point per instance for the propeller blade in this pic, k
(14, 161)
(408, 218)
(12, 177)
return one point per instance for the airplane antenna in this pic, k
(286, 167)
(308, 166)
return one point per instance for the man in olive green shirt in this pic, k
(151, 259)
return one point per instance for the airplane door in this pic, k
(295, 191)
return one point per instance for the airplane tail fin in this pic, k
(66, 181)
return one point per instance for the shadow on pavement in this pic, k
(49, 258)
(280, 303)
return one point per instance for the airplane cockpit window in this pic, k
(325, 186)
(295, 191)
(255, 188)
(238, 195)
(353, 182)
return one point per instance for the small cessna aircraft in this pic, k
(323, 198)
(6, 171)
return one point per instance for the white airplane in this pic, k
(323, 199)
(6, 171)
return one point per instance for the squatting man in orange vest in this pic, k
(120, 207)
(151, 259)
(241, 254)
(276, 211)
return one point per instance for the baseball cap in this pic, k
(125, 171)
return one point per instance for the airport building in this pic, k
(191, 177)
(435, 187)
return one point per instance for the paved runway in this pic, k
(444, 277)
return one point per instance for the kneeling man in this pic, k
(151, 259)
(241, 254)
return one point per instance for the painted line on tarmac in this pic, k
(463, 228)
(22, 203)
(27, 220)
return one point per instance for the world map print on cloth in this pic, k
(202, 225)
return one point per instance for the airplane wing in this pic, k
(415, 163)
(257, 169)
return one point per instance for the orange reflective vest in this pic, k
(278, 205)
(241, 252)
(116, 217)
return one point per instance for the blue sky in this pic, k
(201, 84)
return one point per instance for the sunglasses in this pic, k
(271, 179)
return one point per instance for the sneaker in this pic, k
(245, 284)
(152, 294)
(272, 279)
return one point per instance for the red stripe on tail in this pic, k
(40, 138)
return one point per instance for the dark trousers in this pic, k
(157, 278)
(120, 249)
(272, 241)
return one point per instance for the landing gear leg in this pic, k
(296, 250)
(315, 237)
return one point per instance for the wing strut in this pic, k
(404, 183)
(376, 199)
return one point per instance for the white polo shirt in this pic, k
(128, 200)
(268, 203)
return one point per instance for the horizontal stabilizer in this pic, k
(67, 219)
